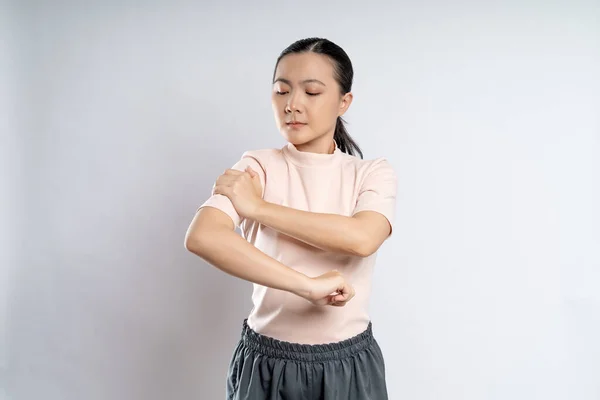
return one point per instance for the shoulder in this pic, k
(261, 154)
(364, 168)
(263, 157)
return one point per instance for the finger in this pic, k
(226, 179)
(233, 172)
(220, 182)
(347, 291)
(331, 299)
(251, 171)
(346, 294)
(338, 303)
(222, 189)
(340, 297)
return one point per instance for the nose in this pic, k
(293, 104)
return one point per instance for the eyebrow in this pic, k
(286, 81)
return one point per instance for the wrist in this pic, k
(302, 286)
(260, 210)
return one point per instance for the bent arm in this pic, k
(211, 235)
(360, 235)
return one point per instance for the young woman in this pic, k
(312, 216)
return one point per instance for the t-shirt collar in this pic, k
(309, 159)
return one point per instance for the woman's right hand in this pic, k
(329, 289)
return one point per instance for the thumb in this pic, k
(340, 297)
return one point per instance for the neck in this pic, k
(313, 156)
(321, 145)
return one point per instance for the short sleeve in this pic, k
(378, 191)
(222, 202)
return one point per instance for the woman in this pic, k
(312, 216)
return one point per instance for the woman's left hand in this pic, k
(243, 188)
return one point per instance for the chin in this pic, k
(296, 138)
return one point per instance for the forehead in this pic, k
(300, 66)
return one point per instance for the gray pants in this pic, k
(266, 368)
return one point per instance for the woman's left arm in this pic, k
(359, 235)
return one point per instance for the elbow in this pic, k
(205, 243)
(368, 242)
(196, 244)
(364, 250)
(209, 229)
(190, 243)
(363, 247)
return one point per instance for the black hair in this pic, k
(343, 74)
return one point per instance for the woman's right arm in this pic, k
(212, 236)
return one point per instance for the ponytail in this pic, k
(344, 141)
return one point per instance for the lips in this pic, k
(296, 123)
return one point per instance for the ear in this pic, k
(345, 103)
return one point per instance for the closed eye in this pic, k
(308, 93)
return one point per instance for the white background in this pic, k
(117, 119)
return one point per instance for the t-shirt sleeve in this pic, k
(378, 191)
(222, 202)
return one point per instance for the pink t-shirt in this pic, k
(335, 183)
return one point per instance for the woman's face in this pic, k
(305, 92)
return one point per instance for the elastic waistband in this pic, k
(272, 347)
